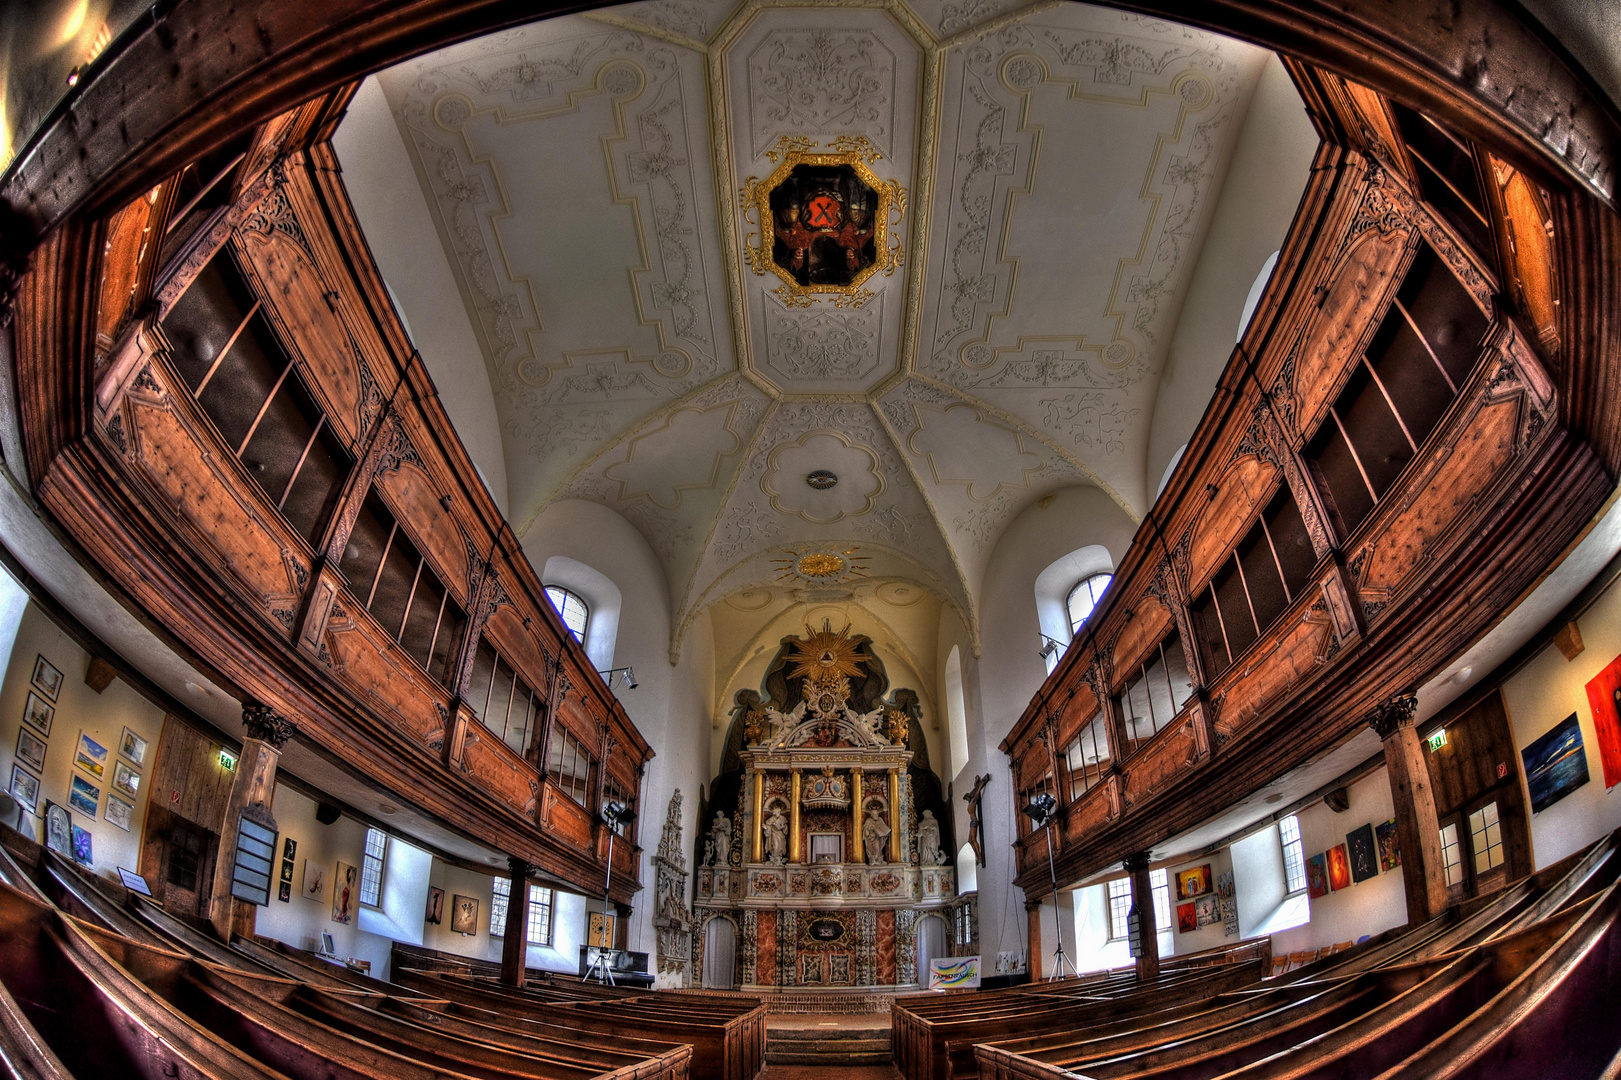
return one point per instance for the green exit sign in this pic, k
(227, 760)
(1437, 740)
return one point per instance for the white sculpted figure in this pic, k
(875, 835)
(928, 841)
(719, 848)
(782, 722)
(866, 724)
(776, 836)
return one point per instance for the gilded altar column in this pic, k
(856, 854)
(794, 852)
(757, 847)
(894, 815)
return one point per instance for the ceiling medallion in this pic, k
(821, 479)
(826, 222)
(820, 564)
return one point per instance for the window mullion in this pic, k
(1221, 622)
(1244, 583)
(1390, 401)
(220, 358)
(1273, 548)
(298, 468)
(1356, 458)
(1424, 341)
(377, 575)
(264, 408)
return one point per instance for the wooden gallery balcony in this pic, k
(223, 412)
(1413, 426)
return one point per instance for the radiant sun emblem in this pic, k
(824, 654)
(820, 564)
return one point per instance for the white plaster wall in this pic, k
(1259, 880)
(999, 684)
(387, 199)
(102, 717)
(1093, 949)
(670, 705)
(1258, 199)
(1367, 908)
(1541, 695)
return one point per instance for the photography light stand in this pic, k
(1041, 811)
(601, 967)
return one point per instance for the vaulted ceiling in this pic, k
(586, 176)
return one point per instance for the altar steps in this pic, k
(837, 1047)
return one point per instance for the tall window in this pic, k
(501, 699)
(1119, 909)
(540, 915)
(575, 612)
(1451, 858)
(228, 354)
(1486, 838)
(1156, 693)
(1294, 854)
(400, 589)
(500, 893)
(1083, 598)
(1159, 883)
(569, 765)
(371, 867)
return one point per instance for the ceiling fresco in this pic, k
(639, 206)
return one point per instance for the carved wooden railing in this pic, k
(1499, 487)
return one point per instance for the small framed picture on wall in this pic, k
(31, 750)
(47, 677)
(120, 812)
(126, 779)
(91, 757)
(84, 796)
(133, 747)
(25, 788)
(38, 714)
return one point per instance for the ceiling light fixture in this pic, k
(821, 479)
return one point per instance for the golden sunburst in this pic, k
(820, 564)
(823, 653)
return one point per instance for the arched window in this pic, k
(1083, 598)
(576, 615)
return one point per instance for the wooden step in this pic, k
(833, 1046)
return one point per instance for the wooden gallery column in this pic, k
(1142, 903)
(1417, 830)
(515, 945)
(252, 792)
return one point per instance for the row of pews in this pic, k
(1516, 985)
(96, 981)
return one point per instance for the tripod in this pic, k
(601, 967)
(1061, 959)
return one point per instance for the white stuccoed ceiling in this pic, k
(1060, 163)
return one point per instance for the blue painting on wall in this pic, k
(1556, 764)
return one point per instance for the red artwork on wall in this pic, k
(1339, 867)
(1604, 695)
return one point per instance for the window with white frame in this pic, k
(1159, 883)
(1083, 598)
(371, 867)
(1451, 858)
(1294, 853)
(540, 915)
(1119, 909)
(575, 612)
(1486, 838)
(500, 893)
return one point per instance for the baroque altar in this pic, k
(825, 862)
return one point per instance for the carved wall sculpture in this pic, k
(672, 919)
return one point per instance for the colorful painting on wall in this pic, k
(954, 973)
(1316, 876)
(1208, 910)
(1604, 696)
(599, 930)
(1194, 882)
(1556, 764)
(92, 757)
(1364, 856)
(1389, 846)
(1187, 918)
(345, 891)
(84, 796)
(314, 881)
(81, 845)
(1339, 867)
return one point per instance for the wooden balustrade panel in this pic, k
(1157, 763)
(277, 255)
(515, 641)
(1440, 504)
(372, 667)
(226, 521)
(1357, 287)
(1297, 646)
(414, 498)
(564, 818)
(131, 239)
(1151, 620)
(499, 770)
(1091, 812)
(1227, 514)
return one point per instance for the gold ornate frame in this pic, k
(858, 153)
